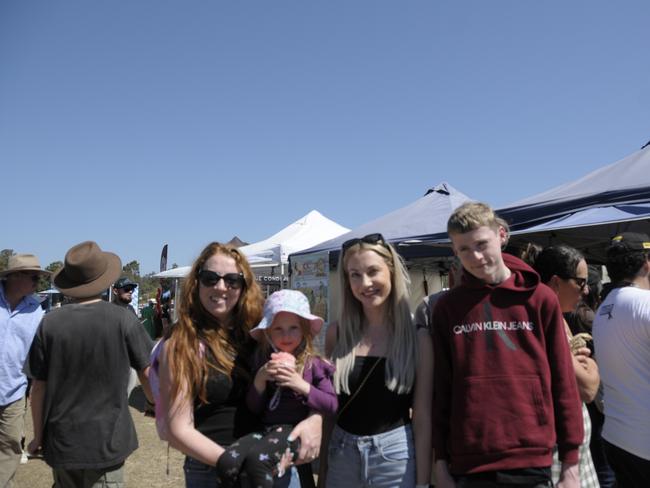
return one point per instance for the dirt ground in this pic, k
(146, 467)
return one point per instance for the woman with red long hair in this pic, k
(205, 367)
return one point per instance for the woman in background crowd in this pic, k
(565, 271)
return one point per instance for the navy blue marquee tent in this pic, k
(584, 213)
(587, 212)
(625, 182)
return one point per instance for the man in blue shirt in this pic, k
(20, 314)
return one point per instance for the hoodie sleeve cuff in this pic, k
(569, 455)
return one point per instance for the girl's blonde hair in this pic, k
(401, 358)
(304, 353)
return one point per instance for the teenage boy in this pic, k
(505, 389)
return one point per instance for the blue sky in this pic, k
(139, 123)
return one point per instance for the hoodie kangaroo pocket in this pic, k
(499, 413)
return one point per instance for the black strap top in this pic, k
(375, 409)
(225, 417)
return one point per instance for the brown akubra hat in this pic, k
(87, 271)
(23, 262)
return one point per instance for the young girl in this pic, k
(292, 382)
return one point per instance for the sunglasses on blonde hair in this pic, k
(375, 238)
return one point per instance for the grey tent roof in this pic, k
(237, 242)
(425, 216)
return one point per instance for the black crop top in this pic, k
(375, 409)
(225, 417)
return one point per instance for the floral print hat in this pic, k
(286, 301)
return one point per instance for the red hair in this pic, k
(196, 326)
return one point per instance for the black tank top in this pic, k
(375, 409)
(225, 417)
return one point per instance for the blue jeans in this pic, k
(382, 460)
(200, 475)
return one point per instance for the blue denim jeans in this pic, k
(200, 475)
(382, 460)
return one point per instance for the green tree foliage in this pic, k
(147, 284)
(45, 281)
(54, 266)
(148, 287)
(132, 270)
(5, 254)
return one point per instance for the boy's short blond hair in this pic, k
(472, 215)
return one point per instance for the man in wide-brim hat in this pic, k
(80, 362)
(20, 314)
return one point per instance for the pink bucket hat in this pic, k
(292, 301)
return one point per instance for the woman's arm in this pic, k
(422, 408)
(330, 339)
(179, 420)
(587, 374)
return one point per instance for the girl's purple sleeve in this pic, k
(322, 397)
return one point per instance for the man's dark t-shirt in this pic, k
(83, 352)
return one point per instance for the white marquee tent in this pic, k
(306, 232)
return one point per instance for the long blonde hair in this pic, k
(198, 330)
(401, 357)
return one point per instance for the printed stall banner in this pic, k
(310, 275)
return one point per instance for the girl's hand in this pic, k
(264, 374)
(288, 377)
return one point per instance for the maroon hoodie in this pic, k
(505, 389)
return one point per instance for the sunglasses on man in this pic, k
(33, 276)
(375, 238)
(233, 281)
(128, 288)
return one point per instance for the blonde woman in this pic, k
(384, 371)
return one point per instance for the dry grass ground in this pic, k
(145, 468)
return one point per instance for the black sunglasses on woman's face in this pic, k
(369, 239)
(232, 280)
(581, 282)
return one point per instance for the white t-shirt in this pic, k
(621, 333)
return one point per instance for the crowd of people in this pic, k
(516, 375)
